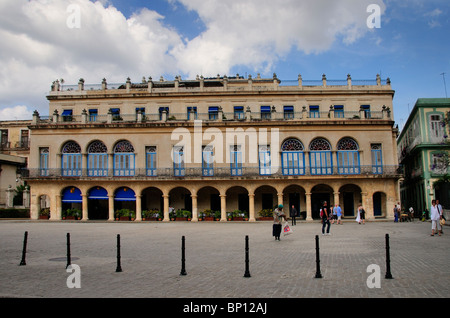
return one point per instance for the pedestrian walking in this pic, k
(435, 217)
(278, 216)
(441, 212)
(338, 211)
(396, 213)
(325, 214)
(361, 216)
(333, 213)
(293, 215)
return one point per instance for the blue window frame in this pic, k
(292, 157)
(239, 112)
(320, 159)
(150, 160)
(43, 161)
(97, 159)
(236, 160)
(338, 111)
(191, 110)
(314, 111)
(115, 113)
(366, 109)
(140, 109)
(178, 161)
(161, 109)
(67, 115)
(71, 160)
(348, 156)
(213, 112)
(348, 162)
(288, 112)
(265, 112)
(377, 159)
(264, 160)
(93, 114)
(124, 159)
(207, 161)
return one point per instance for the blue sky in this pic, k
(117, 39)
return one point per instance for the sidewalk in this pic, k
(215, 260)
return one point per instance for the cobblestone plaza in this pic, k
(215, 260)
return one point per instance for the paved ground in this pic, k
(215, 260)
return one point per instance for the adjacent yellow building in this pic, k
(225, 144)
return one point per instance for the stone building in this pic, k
(216, 144)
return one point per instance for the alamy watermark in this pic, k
(74, 279)
(73, 20)
(374, 19)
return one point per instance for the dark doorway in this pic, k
(377, 204)
(294, 200)
(267, 201)
(243, 202)
(317, 200)
(349, 209)
(215, 202)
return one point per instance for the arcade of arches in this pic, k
(100, 201)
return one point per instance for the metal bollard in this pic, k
(388, 260)
(247, 271)
(118, 268)
(24, 250)
(183, 257)
(318, 274)
(68, 251)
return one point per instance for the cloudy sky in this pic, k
(45, 40)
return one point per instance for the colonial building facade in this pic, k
(215, 144)
(424, 150)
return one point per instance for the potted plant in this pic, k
(265, 215)
(146, 215)
(208, 215)
(44, 214)
(217, 215)
(72, 214)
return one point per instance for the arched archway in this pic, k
(97, 159)
(124, 199)
(379, 204)
(152, 201)
(208, 198)
(98, 203)
(71, 159)
(350, 199)
(319, 194)
(265, 198)
(180, 199)
(71, 202)
(294, 195)
(237, 199)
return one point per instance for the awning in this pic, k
(265, 109)
(288, 108)
(338, 106)
(238, 108)
(71, 195)
(67, 112)
(313, 107)
(213, 109)
(98, 193)
(125, 194)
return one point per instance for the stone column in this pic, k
(251, 207)
(166, 208)
(9, 197)
(194, 208)
(34, 207)
(111, 207)
(138, 208)
(308, 207)
(84, 207)
(223, 207)
(280, 198)
(336, 198)
(26, 197)
(57, 215)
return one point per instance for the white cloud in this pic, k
(38, 47)
(15, 113)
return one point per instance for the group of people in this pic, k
(436, 215)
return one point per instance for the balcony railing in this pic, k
(217, 172)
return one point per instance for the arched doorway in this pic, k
(71, 202)
(152, 200)
(265, 198)
(350, 199)
(124, 199)
(319, 194)
(237, 199)
(180, 199)
(208, 198)
(294, 195)
(97, 203)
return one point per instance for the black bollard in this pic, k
(388, 260)
(24, 250)
(247, 271)
(183, 257)
(118, 268)
(318, 274)
(68, 250)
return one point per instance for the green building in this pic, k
(424, 150)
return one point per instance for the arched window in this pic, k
(348, 156)
(320, 159)
(97, 159)
(71, 159)
(292, 157)
(124, 159)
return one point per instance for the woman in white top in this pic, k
(435, 217)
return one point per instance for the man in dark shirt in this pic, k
(293, 215)
(326, 214)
